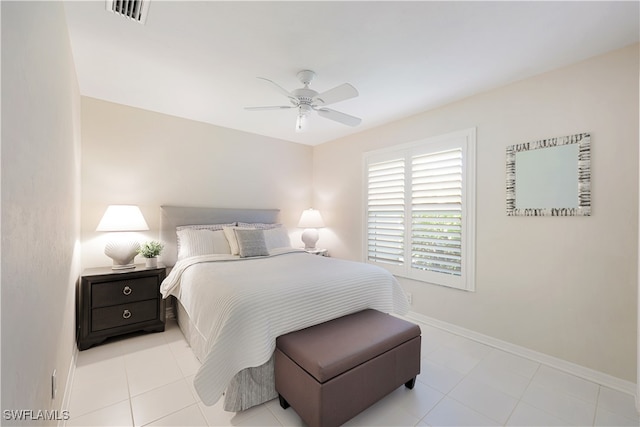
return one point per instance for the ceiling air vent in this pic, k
(135, 10)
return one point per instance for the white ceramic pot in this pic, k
(151, 262)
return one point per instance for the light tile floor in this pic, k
(146, 380)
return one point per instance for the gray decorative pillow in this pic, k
(251, 243)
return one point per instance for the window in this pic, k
(420, 209)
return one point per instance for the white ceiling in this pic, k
(200, 60)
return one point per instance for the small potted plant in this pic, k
(150, 251)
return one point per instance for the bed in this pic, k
(239, 284)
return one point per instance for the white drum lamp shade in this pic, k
(122, 249)
(310, 220)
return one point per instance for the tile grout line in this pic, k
(595, 413)
(126, 374)
(525, 390)
(184, 377)
(465, 376)
(444, 395)
(562, 392)
(274, 415)
(519, 399)
(171, 413)
(195, 398)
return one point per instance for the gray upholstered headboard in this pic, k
(174, 216)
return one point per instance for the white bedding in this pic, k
(243, 304)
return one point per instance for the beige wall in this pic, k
(40, 204)
(134, 156)
(562, 286)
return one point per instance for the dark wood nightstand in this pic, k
(113, 302)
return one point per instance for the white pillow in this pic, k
(195, 242)
(212, 227)
(277, 238)
(231, 238)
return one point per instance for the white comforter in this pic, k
(242, 305)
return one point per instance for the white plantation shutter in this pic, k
(436, 212)
(385, 212)
(420, 209)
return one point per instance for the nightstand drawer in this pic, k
(125, 314)
(123, 291)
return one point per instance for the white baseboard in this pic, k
(554, 362)
(66, 398)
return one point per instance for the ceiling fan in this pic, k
(307, 100)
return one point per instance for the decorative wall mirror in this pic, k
(550, 177)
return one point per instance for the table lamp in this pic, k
(122, 249)
(310, 220)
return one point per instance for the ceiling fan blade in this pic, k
(280, 89)
(339, 117)
(337, 94)
(275, 107)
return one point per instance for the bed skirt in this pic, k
(249, 387)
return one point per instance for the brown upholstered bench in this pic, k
(332, 371)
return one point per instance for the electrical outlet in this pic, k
(409, 298)
(54, 385)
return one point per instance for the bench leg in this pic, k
(283, 402)
(411, 383)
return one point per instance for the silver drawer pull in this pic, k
(126, 290)
(126, 314)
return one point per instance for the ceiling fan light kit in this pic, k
(301, 123)
(307, 100)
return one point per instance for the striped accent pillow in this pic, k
(251, 242)
(212, 227)
(258, 225)
(196, 242)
